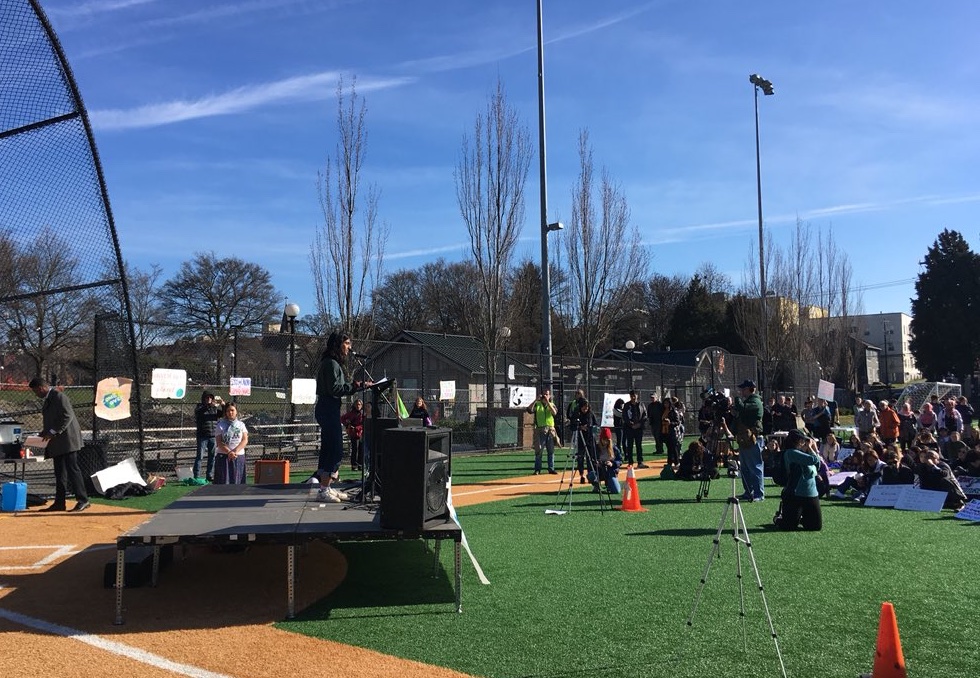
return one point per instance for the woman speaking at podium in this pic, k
(331, 386)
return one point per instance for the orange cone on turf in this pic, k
(631, 493)
(889, 662)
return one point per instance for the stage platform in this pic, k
(288, 515)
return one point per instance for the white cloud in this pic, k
(312, 87)
(93, 7)
(428, 251)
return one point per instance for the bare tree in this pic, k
(490, 176)
(46, 321)
(604, 259)
(148, 313)
(209, 297)
(449, 297)
(347, 254)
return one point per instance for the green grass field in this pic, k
(592, 594)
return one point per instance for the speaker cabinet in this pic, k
(417, 466)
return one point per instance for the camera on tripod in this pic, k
(732, 465)
(717, 403)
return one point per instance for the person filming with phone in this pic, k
(544, 412)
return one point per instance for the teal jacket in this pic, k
(801, 470)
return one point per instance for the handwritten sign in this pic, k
(112, 398)
(916, 499)
(971, 511)
(837, 479)
(886, 496)
(303, 391)
(168, 383)
(240, 386)
(971, 486)
(447, 390)
(521, 396)
(608, 401)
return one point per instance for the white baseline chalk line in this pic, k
(112, 646)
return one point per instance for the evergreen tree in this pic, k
(945, 319)
(699, 319)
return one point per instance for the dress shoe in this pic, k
(55, 507)
(552, 471)
(81, 506)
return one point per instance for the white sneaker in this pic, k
(327, 495)
(839, 495)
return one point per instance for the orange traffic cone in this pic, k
(889, 662)
(631, 493)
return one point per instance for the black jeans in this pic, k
(800, 510)
(68, 464)
(633, 436)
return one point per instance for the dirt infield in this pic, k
(56, 617)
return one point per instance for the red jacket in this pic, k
(888, 423)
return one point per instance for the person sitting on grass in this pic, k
(853, 462)
(829, 448)
(692, 462)
(868, 476)
(935, 474)
(800, 501)
(896, 472)
(608, 460)
(927, 440)
(954, 448)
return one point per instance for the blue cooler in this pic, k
(14, 497)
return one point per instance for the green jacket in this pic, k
(748, 413)
(331, 382)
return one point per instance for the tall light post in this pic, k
(504, 336)
(630, 345)
(758, 82)
(547, 370)
(289, 313)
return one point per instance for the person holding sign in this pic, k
(544, 412)
(331, 386)
(231, 437)
(801, 503)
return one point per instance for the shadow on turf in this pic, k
(388, 574)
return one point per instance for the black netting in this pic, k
(62, 266)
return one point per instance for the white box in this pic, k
(123, 472)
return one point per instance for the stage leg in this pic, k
(120, 581)
(459, 575)
(291, 581)
(155, 577)
(435, 560)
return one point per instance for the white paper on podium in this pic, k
(35, 441)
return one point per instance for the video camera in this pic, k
(732, 466)
(717, 403)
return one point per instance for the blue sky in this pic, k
(212, 118)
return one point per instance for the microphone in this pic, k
(355, 354)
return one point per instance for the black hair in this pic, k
(334, 343)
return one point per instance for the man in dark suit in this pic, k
(64, 437)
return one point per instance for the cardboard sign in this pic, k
(168, 384)
(825, 390)
(521, 396)
(837, 479)
(886, 496)
(112, 398)
(303, 391)
(608, 401)
(916, 499)
(971, 511)
(447, 390)
(971, 486)
(240, 386)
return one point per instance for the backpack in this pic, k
(777, 469)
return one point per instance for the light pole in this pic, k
(504, 336)
(630, 345)
(758, 82)
(289, 313)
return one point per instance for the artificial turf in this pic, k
(609, 594)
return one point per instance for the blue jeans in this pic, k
(204, 445)
(750, 461)
(543, 437)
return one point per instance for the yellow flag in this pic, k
(402, 410)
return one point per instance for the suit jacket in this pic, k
(58, 416)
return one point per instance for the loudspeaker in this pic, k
(417, 466)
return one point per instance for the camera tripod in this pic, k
(564, 496)
(717, 448)
(741, 537)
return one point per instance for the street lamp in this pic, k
(289, 313)
(630, 345)
(758, 82)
